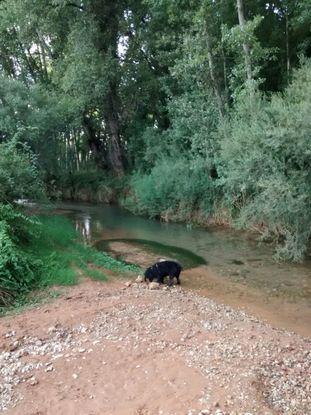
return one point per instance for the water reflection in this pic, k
(83, 225)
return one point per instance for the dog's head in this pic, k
(149, 274)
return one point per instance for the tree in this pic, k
(246, 46)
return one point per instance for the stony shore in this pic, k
(119, 349)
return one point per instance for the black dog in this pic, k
(163, 269)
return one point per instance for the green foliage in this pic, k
(194, 118)
(18, 174)
(84, 71)
(157, 87)
(266, 157)
(18, 268)
(89, 185)
(234, 38)
(38, 253)
(176, 186)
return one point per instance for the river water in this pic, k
(226, 265)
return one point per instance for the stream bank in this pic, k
(219, 263)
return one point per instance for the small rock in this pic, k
(13, 346)
(139, 279)
(33, 381)
(49, 369)
(154, 286)
(57, 356)
(128, 283)
(10, 334)
(75, 376)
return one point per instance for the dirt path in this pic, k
(107, 349)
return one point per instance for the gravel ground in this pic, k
(193, 356)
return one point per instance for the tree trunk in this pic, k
(112, 121)
(93, 142)
(107, 15)
(246, 48)
(224, 59)
(213, 76)
(287, 45)
(225, 76)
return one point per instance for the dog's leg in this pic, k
(171, 279)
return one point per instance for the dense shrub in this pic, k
(86, 185)
(266, 170)
(174, 187)
(18, 268)
(262, 153)
(19, 176)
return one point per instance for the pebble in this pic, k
(139, 279)
(154, 286)
(33, 381)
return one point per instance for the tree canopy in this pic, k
(208, 97)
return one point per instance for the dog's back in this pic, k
(169, 268)
(162, 269)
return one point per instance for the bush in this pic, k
(18, 173)
(18, 268)
(266, 168)
(86, 185)
(178, 187)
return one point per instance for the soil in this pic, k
(122, 349)
(278, 311)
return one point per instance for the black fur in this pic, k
(163, 269)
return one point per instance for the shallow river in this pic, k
(225, 265)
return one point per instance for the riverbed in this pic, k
(228, 266)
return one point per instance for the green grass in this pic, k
(61, 257)
(97, 274)
(63, 253)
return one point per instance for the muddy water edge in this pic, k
(221, 264)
